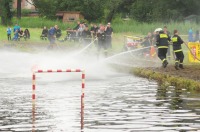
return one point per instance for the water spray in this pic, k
(125, 52)
(86, 47)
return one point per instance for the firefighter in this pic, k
(101, 35)
(162, 44)
(177, 41)
(86, 36)
(169, 48)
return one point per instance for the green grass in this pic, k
(38, 22)
(119, 25)
(143, 28)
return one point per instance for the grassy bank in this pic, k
(166, 80)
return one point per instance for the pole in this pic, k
(82, 99)
(33, 102)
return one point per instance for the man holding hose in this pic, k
(177, 41)
(162, 42)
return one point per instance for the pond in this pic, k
(113, 101)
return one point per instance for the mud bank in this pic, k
(188, 78)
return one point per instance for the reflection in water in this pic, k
(119, 104)
(33, 117)
(170, 94)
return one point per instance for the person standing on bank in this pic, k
(162, 42)
(177, 41)
(109, 32)
(9, 31)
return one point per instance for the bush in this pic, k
(24, 12)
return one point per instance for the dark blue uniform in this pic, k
(162, 41)
(177, 41)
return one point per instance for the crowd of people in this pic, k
(100, 35)
(18, 33)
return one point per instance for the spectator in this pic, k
(44, 33)
(94, 30)
(52, 36)
(26, 34)
(190, 35)
(92, 27)
(75, 30)
(16, 35)
(58, 33)
(16, 27)
(197, 36)
(80, 30)
(9, 31)
(147, 40)
(21, 34)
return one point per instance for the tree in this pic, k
(47, 8)
(19, 8)
(6, 14)
(164, 10)
(142, 10)
(93, 10)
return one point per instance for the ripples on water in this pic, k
(119, 104)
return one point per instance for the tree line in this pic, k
(106, 10)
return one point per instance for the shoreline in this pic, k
(188, 78)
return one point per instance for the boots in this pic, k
(176, 65)
(165, 63)
(181, 66)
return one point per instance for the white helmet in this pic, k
(158, 29)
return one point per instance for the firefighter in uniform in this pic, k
(101, 35)
(169, 48)
(177, 41)
(162, 41)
